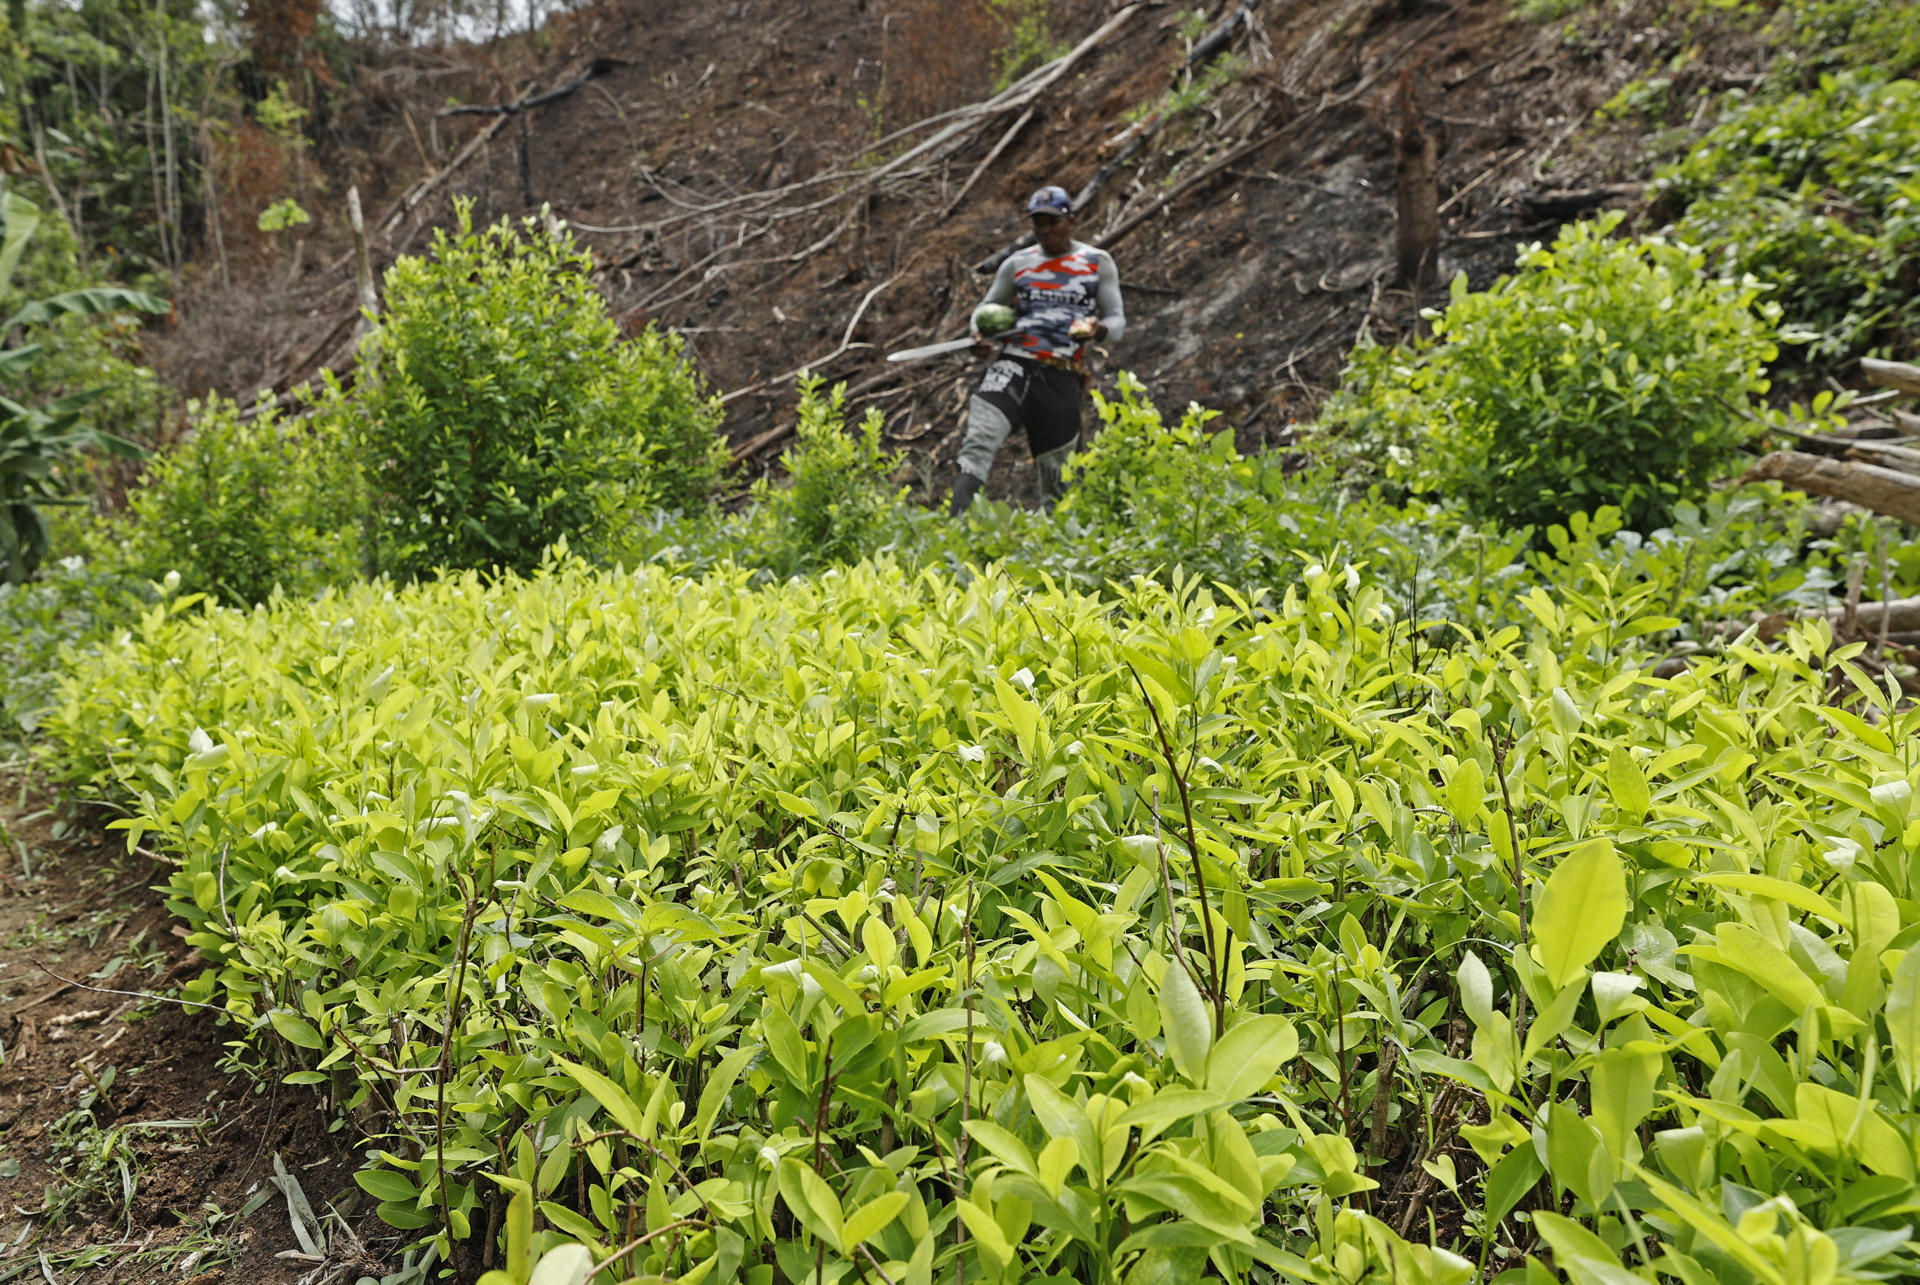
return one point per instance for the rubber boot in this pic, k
(965, 487)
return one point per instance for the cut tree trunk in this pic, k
(1900, 459)
(1891, 374)
(1417, 193)
(1895, 495)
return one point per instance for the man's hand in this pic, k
(981, 348)
(1086, 329)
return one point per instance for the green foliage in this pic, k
(1818, 194)
(35, 440)
(498, 411)
(1547, 10)
(1603, 372)
(1027, 39)
(70, 604)
(1823, 35)
(242, 507)
(1134, 936)
(838, 504)
(112, 97)
(283, 214)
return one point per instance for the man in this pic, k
(1065, 295)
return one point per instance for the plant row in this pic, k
(878, 924)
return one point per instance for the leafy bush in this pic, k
(1818, 194)
(52, 410)
(838, 505)
(71, 603)
(1603, 372)
(499, 412)
(241, 507)
(879, 924)
(1823, 35)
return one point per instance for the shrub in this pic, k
(1823, 34)
(71, 602)
(1817, 194)
(839, 503)
(242, 506)
(1150, 940)
(499, 412)
(1602, 372)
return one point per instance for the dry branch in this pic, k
(1006, 139)
(597, 67)
(1900, 459)
(362, 260)
(846, 345)
(1891, 374)
(1215, 42)
(1892, 494)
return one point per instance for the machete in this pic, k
(947, 346)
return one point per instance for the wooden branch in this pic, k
(1899, 615)
(1891, 374)
(1216, 41)
(1416, 193)
(597, 67)
(1900, 459)
(1892, 494)
(1013, 132)
(1561, 205)
(410, 199)
(846, 345)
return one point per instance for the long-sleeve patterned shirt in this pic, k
(1049, 294)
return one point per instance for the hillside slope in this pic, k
(744, 173)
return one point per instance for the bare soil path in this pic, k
(131, 1149)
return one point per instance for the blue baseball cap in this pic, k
(1050, 200)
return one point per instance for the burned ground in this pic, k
(733, 170)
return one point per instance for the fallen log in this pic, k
(1885, 491)
(1900, 459)
(1215, 42)
(1891, 374)
(596, 67)
(1561, 205)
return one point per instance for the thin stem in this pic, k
(1216, 993)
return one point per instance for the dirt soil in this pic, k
(130, 1151)
(1244, 293)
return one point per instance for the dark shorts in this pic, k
(1043, 400)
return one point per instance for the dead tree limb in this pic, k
(1006, 140)
(1889, 493)
(1891, 374)
(1216, 41)
(596, 68)
(1900, 459)
(846, 345)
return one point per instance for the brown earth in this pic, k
(1244, 293)
(94, 1079)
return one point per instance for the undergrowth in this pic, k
(883, 923)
